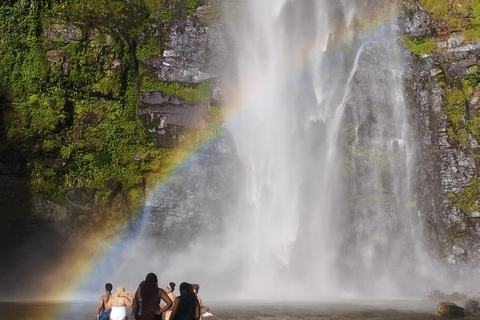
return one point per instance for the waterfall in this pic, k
(324, 135)
(325, 206)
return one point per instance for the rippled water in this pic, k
(394, 310)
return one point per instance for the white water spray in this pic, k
(325, 140)
(326, 209)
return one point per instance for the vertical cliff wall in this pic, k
(442, 87)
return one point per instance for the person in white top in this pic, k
(119, 302)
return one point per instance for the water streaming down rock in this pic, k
(325, 139)
(324, 204)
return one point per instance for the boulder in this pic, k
(457, 296)
(450, 310)
(472, 307)
(415, 21)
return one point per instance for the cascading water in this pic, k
(325, 208)
(324, 137)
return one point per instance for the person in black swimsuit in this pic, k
(186, 306)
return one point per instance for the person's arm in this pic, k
(168, 302)
(198, 311)
(175, 309)
(129, 301)
(100, 307)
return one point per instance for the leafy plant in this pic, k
(420, 46)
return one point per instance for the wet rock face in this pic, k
(445, 167)
(166, 118)
(185, 56)
(194, 55)
(415, 21)
(198, 197)
(200, 194)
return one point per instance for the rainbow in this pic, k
(98, 252)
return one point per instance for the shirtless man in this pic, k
(120, 301)
(104, 308)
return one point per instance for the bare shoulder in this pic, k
(107, 298)
(162, 293)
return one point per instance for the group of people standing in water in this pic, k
(145, 303)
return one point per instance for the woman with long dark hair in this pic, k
(150, 295)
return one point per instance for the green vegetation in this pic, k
(190, 94)
(455, 108)
(71, 74)
(455, 15)
(439, 8)
(420, 46)
(148, 50)
(165, 14)
(191, 5)
(468, 199)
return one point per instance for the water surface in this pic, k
(394, 310)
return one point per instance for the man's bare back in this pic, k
(105, 304)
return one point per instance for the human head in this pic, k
(184, 287)
(171, 286)
(151, 279)
(195, 287)
(108, 287)
(121, 292)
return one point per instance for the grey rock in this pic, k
(198, 197)
(445, 167)
(415, 21)
(65, 33)
(455, 40)
(166, 118)
(184, 59)
(449, 310)
(472, 307)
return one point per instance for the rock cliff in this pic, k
(442, 92)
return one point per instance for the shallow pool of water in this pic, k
(392, 310)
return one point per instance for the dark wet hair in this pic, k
(149, 294)
(184, 287)
(172, 286)
(108, 287)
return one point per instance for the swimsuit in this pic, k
(187, 306)
(118, 313)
